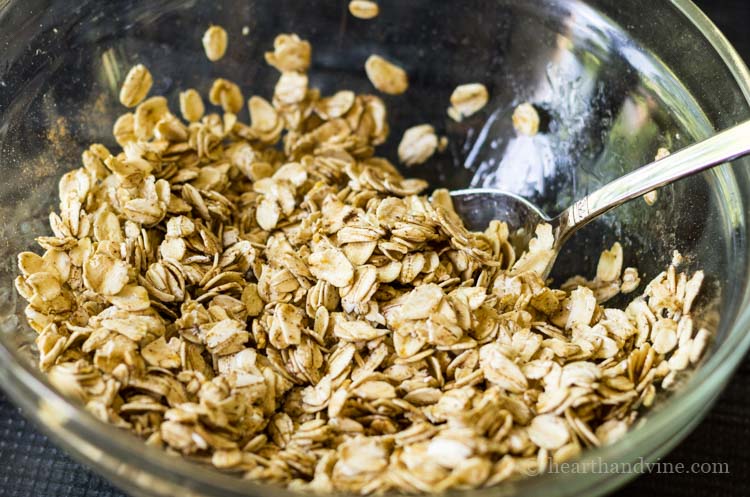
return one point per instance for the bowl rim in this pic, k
(28, 388)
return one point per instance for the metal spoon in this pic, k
(478, 206)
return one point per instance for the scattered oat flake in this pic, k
(363, 9)
(417, 145)
(442, 144)
(136, 86)
(661, 153)
(226, 94)
(386, 76)
(215, 43)
(651, 197)
(191, 105)
(467, 99)
(290, 54)
(526, 119)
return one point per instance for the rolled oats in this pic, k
(467, 99)
(272, 298)
(698, 345)
(651, 197)
(526, 119)
(215, 43)
(263, 116)
(630, 280)
(548, 431)
(332, 265)
(386, 76)
(337, 105)
(291, 88)
(290, 54)
(226, 94)
(136, 86)
(147, 115)
(191, 105)
(124, 129)
(417, 145)
(363, 9)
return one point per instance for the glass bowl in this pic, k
(614, 81)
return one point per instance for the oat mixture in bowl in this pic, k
(264, 291)
(277, 300)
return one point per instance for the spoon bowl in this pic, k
(477, 207)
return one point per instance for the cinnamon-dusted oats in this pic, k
(273, 298)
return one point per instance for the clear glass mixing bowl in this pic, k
(615, 80)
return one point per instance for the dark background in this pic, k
(31, 466)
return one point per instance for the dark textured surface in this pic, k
(31, 466)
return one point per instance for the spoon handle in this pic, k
(722, 147)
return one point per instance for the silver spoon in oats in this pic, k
(477, 207)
